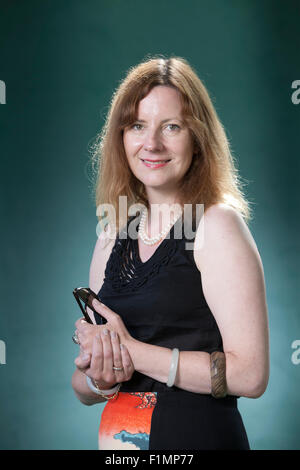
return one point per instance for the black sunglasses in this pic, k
(84, 297)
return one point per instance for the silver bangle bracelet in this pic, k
(95, 390)
(173, 367)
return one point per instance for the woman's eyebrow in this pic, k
(164, 120)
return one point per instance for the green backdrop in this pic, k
(60, 62)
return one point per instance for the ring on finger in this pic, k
(114, 336)
(75, 339)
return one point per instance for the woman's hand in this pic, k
(106, 353)
(86, 331)
(100, 351)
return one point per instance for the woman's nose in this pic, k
(152, 142)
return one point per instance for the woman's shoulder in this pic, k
(221, 228)
(221, 213)
(220, 218)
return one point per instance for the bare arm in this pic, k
(233, 285)
(101, 254)
(234, 288)
(82, 391)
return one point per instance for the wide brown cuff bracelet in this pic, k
(218, 374)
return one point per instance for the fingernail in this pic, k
(122, 346)
(105, 331)
(113, 334)
(85, 357)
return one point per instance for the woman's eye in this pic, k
(174, 126)
(138, 126)
(134, 126)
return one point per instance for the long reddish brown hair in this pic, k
(212, 177)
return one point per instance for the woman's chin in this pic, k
(156, 181)
(158, 185)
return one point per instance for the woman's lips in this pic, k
(155, 165)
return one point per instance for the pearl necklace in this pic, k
(142, 233)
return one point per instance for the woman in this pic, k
(171, 307)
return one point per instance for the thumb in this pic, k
(83, 361)
(105, 311)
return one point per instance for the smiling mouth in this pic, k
(155, 162)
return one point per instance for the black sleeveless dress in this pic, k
(162, 303)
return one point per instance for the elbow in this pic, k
(86, 403)
(79, 396)
(260, 389)
(249, 381)
(257, 388)
(83, 400)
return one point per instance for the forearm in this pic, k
(193, 372)
(82, 391)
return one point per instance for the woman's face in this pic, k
(159, 134)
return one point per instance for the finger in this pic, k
(80, 339)
(85, 334)
(83, 325)
(115, 343)
(78, 334)
(97, 359)
(107, 353)
(83, 361)
(127, 362)
(83, 342)
(117, 357)
(105, 311)
(80, 322)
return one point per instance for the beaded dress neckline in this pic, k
(126, 272)
(135, 246)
